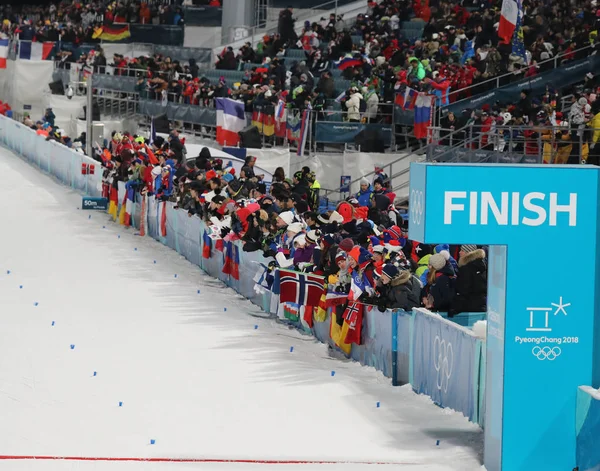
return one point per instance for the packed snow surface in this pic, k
(103, 350)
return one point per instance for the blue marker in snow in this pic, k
(120, 404)
(35, 304)
(95, 373)
(72, 347)
(333, 373)
(291, 349)
(8, 272)
(152, 442)
(20, 286)
(53, 324)
(378, 404)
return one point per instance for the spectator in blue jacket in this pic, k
(364, 195)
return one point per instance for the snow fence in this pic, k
(438, 357)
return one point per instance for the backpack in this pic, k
(362, 107)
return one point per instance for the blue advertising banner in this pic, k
(345, 183)
(548, 334)
(445, 363)
(345, 133)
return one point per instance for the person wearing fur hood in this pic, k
(471, 282)
(398, 289)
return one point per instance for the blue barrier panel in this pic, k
(588, 429)
(404, 334)
(376, 350)
(446, 360)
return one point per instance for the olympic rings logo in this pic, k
(546, 353)
(417, 207)
(443, 362)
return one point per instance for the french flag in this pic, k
(508, 20)
(407, 100)
(422, 115)
(32, 51)
(3, 53)
(230, 121)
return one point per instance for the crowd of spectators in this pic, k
(75, 22)
(533, 125)
(284, 220)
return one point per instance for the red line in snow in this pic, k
(193, 460)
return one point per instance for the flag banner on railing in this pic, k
(143, 215)
(29, 50)
(280, 119)
(206, 245)
(263, 117)
(407, 99)
(423, 106)
(112, 33)
(4, 44)
(293, 126)
(231, 266)
(129, 202)
(353, 318)
(518, 39)
(336, 329)
(231, 119)
(300, 288)
(163, 220)
(508, 20)
(304, 128)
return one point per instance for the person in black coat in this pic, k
(438, 294)
(471, 282)
(398, 289)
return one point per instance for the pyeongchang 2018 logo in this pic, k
(443, 362)
(511, 209)
(417, 207)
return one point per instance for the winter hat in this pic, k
(336, 217)
(228, 177)
(375, 241)
(327, 240)
(468, 248)
(378, 249)
(582, 101)
(395, 232)
(364, 181)
(341, 255)
(346, 245)
(287, 217)
(355, 253)
(313, 236)
(295, 227)
(390, 271)
(364, 257)
(323, 218)
(437, 261)
(300, 240)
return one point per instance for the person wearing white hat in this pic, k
(285, 219)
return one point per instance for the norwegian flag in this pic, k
(353, 316)
(300, 288)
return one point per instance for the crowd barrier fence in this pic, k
(404, 346)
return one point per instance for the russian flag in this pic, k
(422, 115)
(348, 62)
(230, 121)
(29, 50)
(206, 245)
(231, 266)
(508, 20)
(407, 100)
(3, 53)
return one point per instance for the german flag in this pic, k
(112, 33)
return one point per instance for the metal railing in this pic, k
(542, 144)
(504, 79)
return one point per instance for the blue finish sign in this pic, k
(542, 328)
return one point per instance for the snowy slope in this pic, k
(200, 381)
